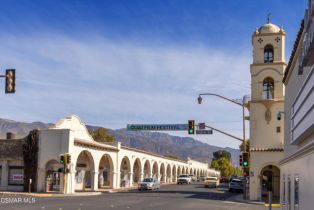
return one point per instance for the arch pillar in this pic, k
(94, 184)
(115, 179)
(142, 175)
(73, 181)
(131, 179)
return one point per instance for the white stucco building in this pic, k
(96, 165)
(267, 99)
(297, 166)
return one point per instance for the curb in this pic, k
(72, 195)
(239, 199)
(50, 194)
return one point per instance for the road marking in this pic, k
(43, 207)
(232, 202)
(274, 204)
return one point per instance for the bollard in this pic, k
(270, 199)
(30, 185)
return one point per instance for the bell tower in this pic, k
(267, 99)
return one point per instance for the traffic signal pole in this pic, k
(243, 105)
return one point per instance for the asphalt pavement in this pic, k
(169, 197)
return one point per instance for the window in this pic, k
(16, 175)
(0, 173)
(268, 88)
(268, 54)
(278, 129)
(296, 192)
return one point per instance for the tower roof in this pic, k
(269, 28)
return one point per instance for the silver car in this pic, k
(149, 184)
(236, 184)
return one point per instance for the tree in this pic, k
(222, 153)
(30, 157)
(222, 163)
(102, 135)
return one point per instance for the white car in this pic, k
(184, 178)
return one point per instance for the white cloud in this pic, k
(108, 81)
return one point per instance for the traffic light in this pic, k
(246, 172)
(240, 160)
(62, 159)
(10, 81)
(191, 124)
(65, 160)
(245, 157)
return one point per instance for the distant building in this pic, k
(297, 175)
(94, 166)
(267, 99)
(11, 164)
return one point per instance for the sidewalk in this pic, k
(4, 193)
(81, 193)
(239, 199)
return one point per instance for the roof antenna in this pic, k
(268, 18)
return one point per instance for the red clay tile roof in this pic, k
(266, 149)
(295, 46)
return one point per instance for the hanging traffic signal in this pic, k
(246, 172)
(240, 160)
(62, 159)
(10, 81)
(65, 160)
(191, 124)
(245, 157)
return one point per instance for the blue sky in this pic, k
(118, 62)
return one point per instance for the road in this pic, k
(169, 197)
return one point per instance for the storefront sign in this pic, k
(17, 177)
(157, 127)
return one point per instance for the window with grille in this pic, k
(268, 54)
(268, 88)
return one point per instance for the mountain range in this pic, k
(156, 142)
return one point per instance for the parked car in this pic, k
(184, 178)
(149, 184)
(193, 178)
(224, 180)
(236, 185)
(211, 182)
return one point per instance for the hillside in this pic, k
(156, 142)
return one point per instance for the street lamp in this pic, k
(242, 104)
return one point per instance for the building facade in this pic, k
(11, 164)
(267, 99)
(297, 186)
(95, 166)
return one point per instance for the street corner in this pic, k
(239, 199)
